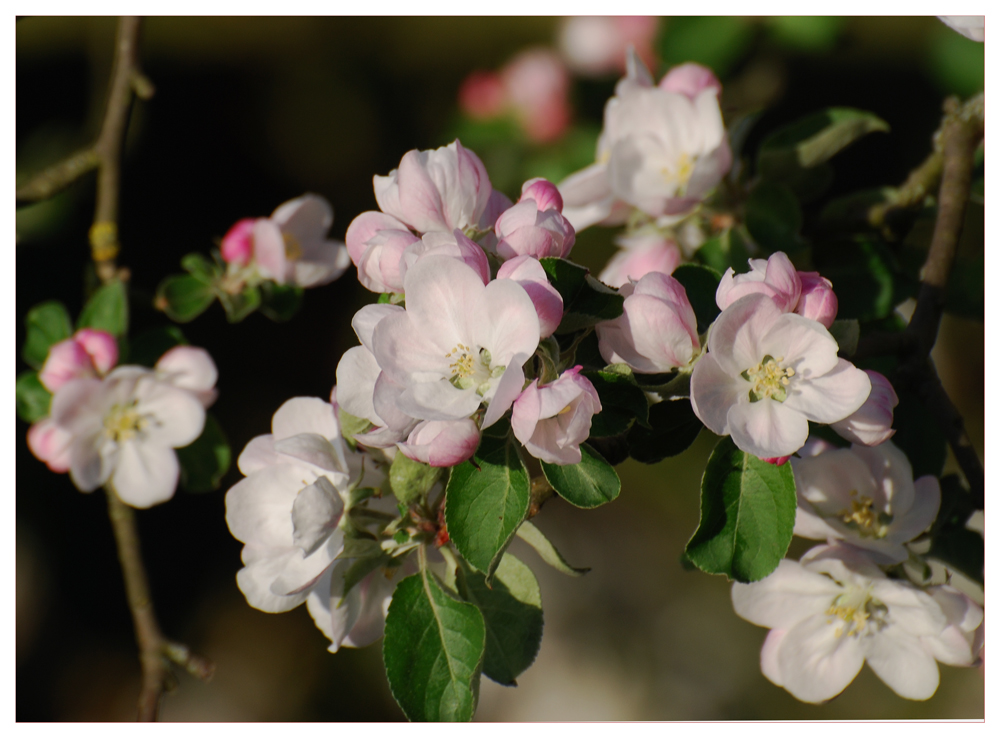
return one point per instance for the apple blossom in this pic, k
(865, 496)
(455, 244)
(640, 254)
(660, 152)
(442, 442)
(50, 443)
(528, 272)
(537, 90)
(375, 243)
(871, 424)
(535, 226)
(768, 373)
(482, 95)
(552, 420)
(817, 300)
(458, 343)
(192, 369)
(657, 330)
(87, 353)
(690, 80)
(438, 190)
(596, 45)
(834, 610)
(237, 244)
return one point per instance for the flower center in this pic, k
(858, 611)
(470, 369)
(769, 379)
(293, 249)
(680, 173)
(124, 422)
(869, 523)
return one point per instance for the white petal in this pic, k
(259, 453)
(314, 449)
(189, 368)
(831, 397)
(259, 508)
(357, 373)
(769, 665)
(365, 320)
(815, 663)
(175, 416)
(315, 514)
(714, 393)
(900, 661)
(305, 415)
(301, 572)
(767, 428)
(254, 580)
(145, 474)
(789, 595)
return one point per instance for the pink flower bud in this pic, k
(482, 95)
(641, 255)
(50, 443)
(553, 420)
(237, 244)
(777, 460)
(87, 353)
(544, 193)
(689, 80)
(817, 300)
(528, 272)
(537, 87)
(442, 442)
(775, 278)
(871, 424)
(525, 229)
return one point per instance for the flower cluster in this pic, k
(119, 426)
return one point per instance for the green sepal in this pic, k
(183, 297)
(240, 305)
(411, 480)
(280, 302)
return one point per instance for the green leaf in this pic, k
(590, 483)
(850, 212)
(147, 347)
(433, 651)
(865, 275)
(586, 301)
(728, 249)
(280, 302)
(486, 500)
(806, 32)
(673, 428)
(700, 284)
(205, 461)
(184, 297)
(747, 515)
(33, 400)
(201, 267)
(622, 402)
(773, 217)
(411, 480)
(512, 610)
(846, 333)
(47, 323)
(813, 140)
(107, 310)
(239, 306)
(544, 548)
(718, 42)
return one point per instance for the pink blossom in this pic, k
(817, 301)
(595, 45)
(689, 80)
(535, 227)
(442, 442)
(657, 332)
(482, 95)
(87, 353)
(237, 244)
(455, 244)
(51, 444)
(552, 420)
(528, 272)
(537, 87)
(190, 368)
(641, 255)
(871, 425)
(775, 278)
(777, 460)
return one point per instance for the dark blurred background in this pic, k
(251, 112)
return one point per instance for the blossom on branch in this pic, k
(552, 420)
(535, 226)
(871, 424)
(640, 254)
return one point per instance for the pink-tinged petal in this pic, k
(455, 245)
(146, 474)
(659, 331)
(817, 300)
(237, 244)
(587, 196)
(66, 360)
(190, 368)
(689, 80)
(381, 267)
(386, 399)
(803, 344)
(438, 400)
(769, 665)
(738, 332)
(321, 262)
(258, 454)
(51, 444)
(365, 320)
(101, 346)
(364, 227)
(178, 417)
(926, 503)
(356, 375)
(788, 596)
(871, 424)
(526, 412)
(815, 663)
(495, 206)
(767, 428)
(307, 218)
(900, 661)
(714, 392)
(529, 273)
(269, 250)
(781, 275)
(406, 350)
(305, 415)
(255, 579)
(832, 396)
(636, 261)
(507, 390)
(439, 293)
(544, 193)
(88, 467)
(442, 443)
(506, 322)
(80, 404)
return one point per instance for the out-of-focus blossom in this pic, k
(640, 254)
(834, 610)
(50, 443)
(660, 152)
(438, 190)
(970, 26)
(291, 246)
(595, 45)
(442, 442)
(482, 95)
(872, 423)
(768, 373)
(535, 226)
(87, 353)
(528, 272)
(657, 332)
(865, 496)
(190, 368)
(552, 420)
(690, 80)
